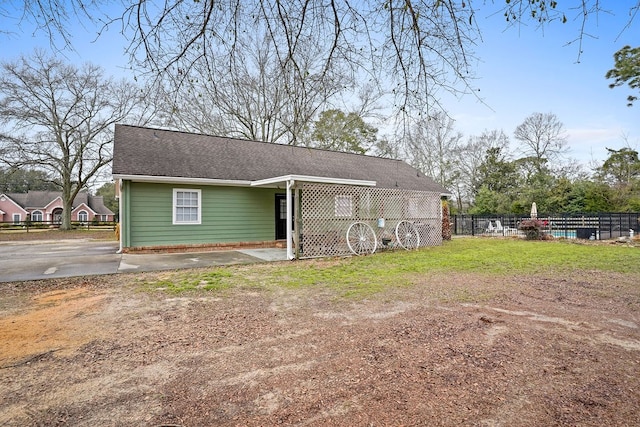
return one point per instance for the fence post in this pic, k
(473, 225)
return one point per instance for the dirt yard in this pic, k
(455, 350)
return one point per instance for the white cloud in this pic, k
(588, 144)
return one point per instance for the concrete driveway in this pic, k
(68, 258)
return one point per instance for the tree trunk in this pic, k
(67, 207)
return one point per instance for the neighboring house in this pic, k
(190, 191)
(46, 207)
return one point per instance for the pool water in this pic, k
(567, 234)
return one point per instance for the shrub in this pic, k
(532, 229)
(446, 221)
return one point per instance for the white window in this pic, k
(283, 208)
(343, 206)
(186, 206)
(36, 216)
(16, 218)
(83, 216)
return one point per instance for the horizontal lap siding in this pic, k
(229, 214)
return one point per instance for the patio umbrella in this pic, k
(534, 211)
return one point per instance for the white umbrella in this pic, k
(534, 211)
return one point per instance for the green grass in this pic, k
(362, 276)
(498, 256)
(216, 279)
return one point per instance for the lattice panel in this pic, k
(327, 211)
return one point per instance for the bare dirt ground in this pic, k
(455, 350)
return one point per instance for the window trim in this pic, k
(39, 212)
(175, 206)
(85, 213)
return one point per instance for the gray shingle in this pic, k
(164, 153)
(97, 204)
(40, 199)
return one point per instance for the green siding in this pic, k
(229, 214)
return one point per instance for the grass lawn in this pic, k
(362, 276)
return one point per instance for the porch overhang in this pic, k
(315, 179)
(244, 183)
(290, 181)
(182, 180)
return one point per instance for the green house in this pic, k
(190, 191)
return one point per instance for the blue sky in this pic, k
(523, 70)
(520, 71)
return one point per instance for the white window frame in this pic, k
(343, 206)
(37, 213)
(17, 218)
(86, 214)
(176, 206)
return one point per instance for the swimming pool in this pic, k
(567, 234)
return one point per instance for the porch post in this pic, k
(290, 254)
(296, 221)
(120, 217)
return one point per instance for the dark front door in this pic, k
(281, 216)
(57, 216)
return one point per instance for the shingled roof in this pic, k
(40, 199)
(147, 152)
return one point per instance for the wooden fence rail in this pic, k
(46, 225)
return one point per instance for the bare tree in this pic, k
(543, 139)
(53, 18)
(432, 146)
(470, 158)
(417, 44)
(60, 118)
(251, 95)
(414, 49)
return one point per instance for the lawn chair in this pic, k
(490, 228)
(499, 228)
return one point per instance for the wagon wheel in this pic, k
(407, 235)
(361, 239)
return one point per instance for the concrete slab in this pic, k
(154, 262)
(42, 260)
(266, 254)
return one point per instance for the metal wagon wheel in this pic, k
(361, 239)
(407, 235)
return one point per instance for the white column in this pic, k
(290, 254)
(120, 207)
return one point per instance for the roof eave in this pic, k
(244, 183)
(309, 178)
(182, 180)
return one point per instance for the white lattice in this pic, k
(325, 213)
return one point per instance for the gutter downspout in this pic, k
(290, 254)
(120, 202)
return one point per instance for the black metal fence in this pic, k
(599, 226)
